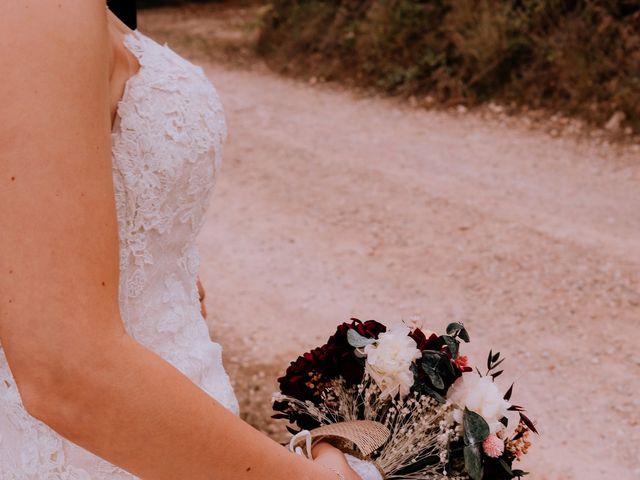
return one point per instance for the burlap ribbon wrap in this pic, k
(359, 438)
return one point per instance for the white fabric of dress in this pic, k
(167, 146)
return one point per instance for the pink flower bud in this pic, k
(493, 446)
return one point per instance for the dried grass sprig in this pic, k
(421, 429)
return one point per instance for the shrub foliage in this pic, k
(577, 56)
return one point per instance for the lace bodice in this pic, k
(167, 145)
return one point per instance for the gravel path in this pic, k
(331, 205)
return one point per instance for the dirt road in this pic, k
(330, 206)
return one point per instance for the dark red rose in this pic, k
(424, 343)
(305, 375)
(311, 373)
(340, 356)
(369, 329)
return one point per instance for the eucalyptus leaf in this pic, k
(464, 335)
(435, 378)
(358, 341)
(476, 428)
(431, 358)
(447, 366)
(473, 462)
(454, 328)
(429, 391)
(452, 344)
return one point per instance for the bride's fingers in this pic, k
(334, 460)
(200, 289)
(201, 294)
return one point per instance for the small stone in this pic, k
(495, 108)
(615, 122)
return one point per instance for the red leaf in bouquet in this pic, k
(462, 362)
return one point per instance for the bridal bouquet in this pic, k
(433, 416)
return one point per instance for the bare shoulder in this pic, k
(53, 52)
(61, 28)
(43, 16)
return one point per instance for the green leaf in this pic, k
(431, 358)
(434, 376)
(506, 467)
(476, 428)
(431, 392)
(454, 328)
(464, 335)
(452, 344)
(507, 396)
(496, 365)
(473, 462)
(357, 341)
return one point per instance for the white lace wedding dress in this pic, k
(167, 145)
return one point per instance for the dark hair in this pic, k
(125, 10)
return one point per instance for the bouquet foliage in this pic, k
(445, 419)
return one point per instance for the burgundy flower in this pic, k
(340, 355)
(311, 373)
(369, 329)
(424, 343)
(304, 375)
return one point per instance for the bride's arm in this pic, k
(76, 368)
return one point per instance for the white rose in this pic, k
(389, 361)
(480, 395)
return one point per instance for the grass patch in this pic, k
(578, 57)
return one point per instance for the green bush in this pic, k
(163, 3)
(578, 56)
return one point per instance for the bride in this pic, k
(109, 148)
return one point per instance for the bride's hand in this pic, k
(203, 308)
(333, 459)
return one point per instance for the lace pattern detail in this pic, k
(167, 146)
